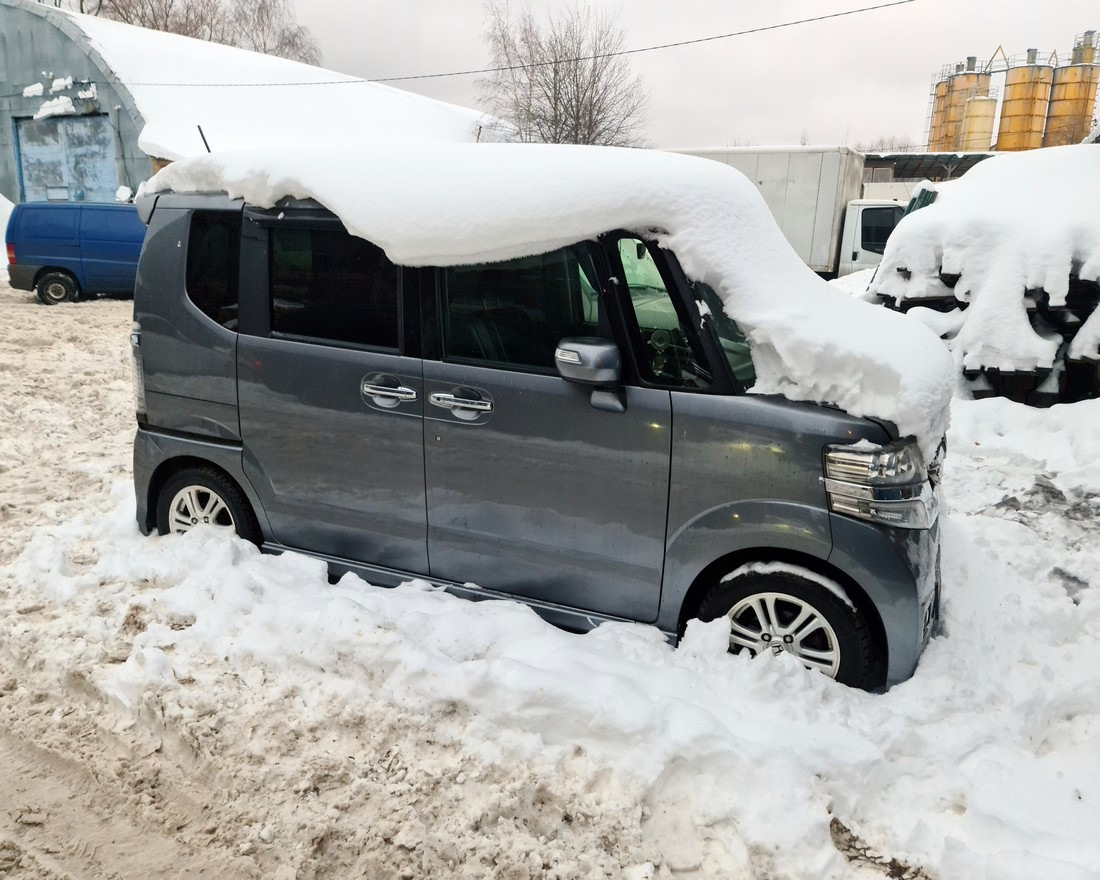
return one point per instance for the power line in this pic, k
(756, 30)
(474, 72)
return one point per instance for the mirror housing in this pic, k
(589, 360)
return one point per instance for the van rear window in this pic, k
(213, 260)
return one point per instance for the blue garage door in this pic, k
(66, 158)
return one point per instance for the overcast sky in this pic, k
(841, 81)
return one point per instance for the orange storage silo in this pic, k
(1024, 108)
(1073, 95)
(939, 118)
(977, 124)
(961, 87)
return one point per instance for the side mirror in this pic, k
(589, 360)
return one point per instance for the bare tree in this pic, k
(266, 26)
(564, 82)
(269, 26)
(888, 144)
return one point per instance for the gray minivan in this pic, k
(569, 429)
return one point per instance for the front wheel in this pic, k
(203, 496)
(57, 287)
(786, 610)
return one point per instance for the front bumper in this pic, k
(899, 570)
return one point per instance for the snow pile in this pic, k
(461, 204)
(5, 213)
(341, 730)
(1014, 223)
(179, 83)
(61, 106)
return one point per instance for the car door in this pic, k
(330, 393)
(110, 244)
(536, 486)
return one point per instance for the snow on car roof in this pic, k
(449, 204)
(243, 98)
(1014, 223)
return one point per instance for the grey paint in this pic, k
(35, 38)
(547, 495)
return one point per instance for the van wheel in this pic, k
(203, 496)
(778, 609)
(57, 287)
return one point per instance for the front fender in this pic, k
(733, 527)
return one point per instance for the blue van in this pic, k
(66, 251)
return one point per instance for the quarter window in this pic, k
(213, 261)
(329, 285)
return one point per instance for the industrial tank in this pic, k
(936, 143)
(977, 123)
(1024, 108)
(961, 87)
(1073, 95)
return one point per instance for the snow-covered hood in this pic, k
(461, 204)
(1013, 223)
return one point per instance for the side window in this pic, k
(878, 223)
(514, 313)
(669, 350)
(213, 264)
(329, 285)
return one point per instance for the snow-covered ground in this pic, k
(189, 707)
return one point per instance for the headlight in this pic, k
(882, 484)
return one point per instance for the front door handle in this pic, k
(449, 401)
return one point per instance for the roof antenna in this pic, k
(204, 143)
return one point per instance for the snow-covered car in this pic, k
(594, 380)
(1004, 263)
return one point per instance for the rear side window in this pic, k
(331, 286)
(49, 222)
(213, 261)
(111, 224)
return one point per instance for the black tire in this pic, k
(825, 632)
(204, 496)
(57, 287)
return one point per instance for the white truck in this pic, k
(816, 195)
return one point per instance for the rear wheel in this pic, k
(57, 287)
(781, 610)
(204, 496)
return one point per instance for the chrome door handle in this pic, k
(449, 401)
(398, 393)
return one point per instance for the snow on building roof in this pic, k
(1014, 223)
(452, 204)
(243, 99)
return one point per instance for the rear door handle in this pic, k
(398, 393)
(449, 401)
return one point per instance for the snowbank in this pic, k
(5, 213)
(179, 83)
(1014, 223)
(455, 204)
